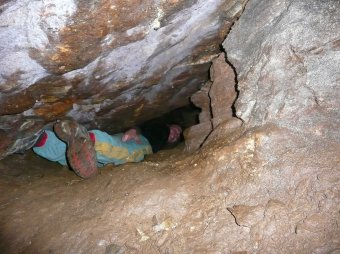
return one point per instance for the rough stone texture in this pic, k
(196, 134)
(260, 191)
(216, 101)
(271, 186)
(223, 94)
(201, 100)
(103, 61)
(222, 91)
(288, 75)
(288, 64)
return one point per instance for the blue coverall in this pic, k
(109, 149)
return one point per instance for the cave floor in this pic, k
(267, 190)
(46, 208)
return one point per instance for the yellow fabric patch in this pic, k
(114, 152)
(137, 155)
(122, 153)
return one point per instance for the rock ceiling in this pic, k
(105, 61)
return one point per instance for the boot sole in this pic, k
(80, 148)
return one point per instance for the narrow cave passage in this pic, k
(258, 171)
(26, 164)
(43, 204)
(44, 200)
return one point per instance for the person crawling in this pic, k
(85, 151)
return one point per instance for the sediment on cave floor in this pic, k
(258, 171)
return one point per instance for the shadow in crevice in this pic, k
(233, 106)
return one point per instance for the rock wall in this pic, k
(278, 174)
(286, 54)
(216, 100)
(269, 186)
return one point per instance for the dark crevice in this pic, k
(185, 116)
(233, 106)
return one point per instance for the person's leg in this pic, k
(80, 148)
(112, 148)
(50, 147)
(20, 135)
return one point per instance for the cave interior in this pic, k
(254, 84)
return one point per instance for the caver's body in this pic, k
(108, 148)
(84, 151)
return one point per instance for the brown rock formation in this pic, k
(195, 135)
(222, 91)
(271, 186)
(104, 61)
(216, 101)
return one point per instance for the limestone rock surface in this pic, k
(108, 64)
(216, 100)
(269, 186)
(222, 91)
(196, 134)
(286, 55)
(288, 77)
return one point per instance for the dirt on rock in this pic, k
(244, 193)
(266, 180)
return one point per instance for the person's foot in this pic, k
(21, 136)
(80, 148)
